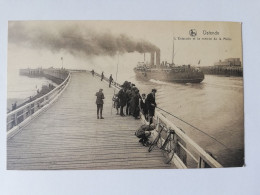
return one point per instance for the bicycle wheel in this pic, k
(154, 143)
(168, 150)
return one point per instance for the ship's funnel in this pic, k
(158, 55)
(152, 59)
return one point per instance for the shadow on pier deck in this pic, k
(69, 136)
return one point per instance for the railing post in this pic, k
(157, 123)
(30, 109)
(9, 123)
(201, 163)
(24, 114)
(15, 119)
(46, 100)
(42, 103)
(181, 153)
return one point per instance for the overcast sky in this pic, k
(95, 44)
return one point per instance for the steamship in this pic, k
(168, 72)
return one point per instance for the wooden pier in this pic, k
(68, 135)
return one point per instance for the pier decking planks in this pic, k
(69, 136)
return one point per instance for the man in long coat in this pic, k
(128, 97)
(122, 99)
(151, 104)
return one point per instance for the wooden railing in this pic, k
(188, 153)
(18, 116)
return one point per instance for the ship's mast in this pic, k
(144, 57)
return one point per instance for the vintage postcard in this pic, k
(124, 95)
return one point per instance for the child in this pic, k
(116, 103)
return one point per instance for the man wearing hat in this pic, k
(122, 99)
(100, 102)
(151, 104)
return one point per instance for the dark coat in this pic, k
(143, 105)
(122, 97)
(136, 109)
(100, 97)
(150, 100)
(128, 95)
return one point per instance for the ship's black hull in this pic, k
(170, 76)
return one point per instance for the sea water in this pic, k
(215, 106)
(20, 87)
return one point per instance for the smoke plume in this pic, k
(77, 41)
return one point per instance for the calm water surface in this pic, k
(20, 88)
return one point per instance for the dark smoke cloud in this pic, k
(77, 41)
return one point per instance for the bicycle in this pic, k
(168, 147)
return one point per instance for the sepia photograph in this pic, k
(124, 94)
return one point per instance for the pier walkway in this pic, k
(69, 136)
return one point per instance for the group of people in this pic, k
(130, 102)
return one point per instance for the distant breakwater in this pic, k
(225, 71)
(55, 75)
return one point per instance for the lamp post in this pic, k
(173, 51)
